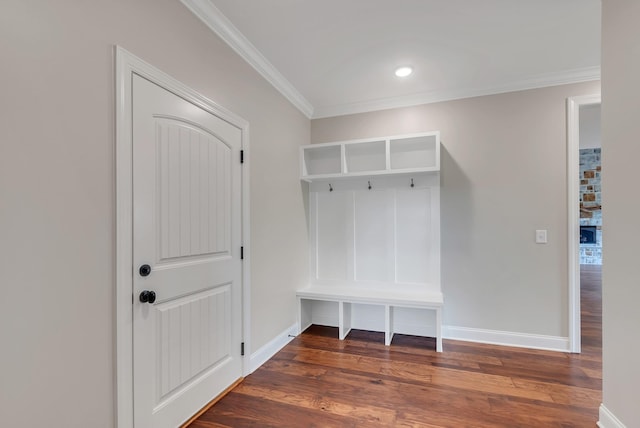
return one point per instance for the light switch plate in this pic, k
(541, 236)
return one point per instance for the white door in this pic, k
(186, 228)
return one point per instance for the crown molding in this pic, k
(220, 24)
(534, 82)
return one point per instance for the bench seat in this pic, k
(390, 299)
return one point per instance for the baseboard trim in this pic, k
(267, 351)
(608, 419)
(507, 338)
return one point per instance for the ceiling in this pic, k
(336, 57)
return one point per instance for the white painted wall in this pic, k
(57, 201)
(620, 131)
(503, 172)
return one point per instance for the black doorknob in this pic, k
(145, 270)
(148, 296)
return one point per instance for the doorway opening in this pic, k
(584, 206)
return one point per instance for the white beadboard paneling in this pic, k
(205, 192)
(223, 201)
(171, 193)
(413, 236)
(374, 220)
(384, 236)
(332, 219)
(184, 167)
(193, 336)
(194, 192)
(213, 196)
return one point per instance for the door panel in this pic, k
(187, 217)
(194, 191)
(193, 337)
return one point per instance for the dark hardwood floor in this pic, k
(320, 381)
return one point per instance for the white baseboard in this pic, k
(506, 338)
(608, 419)
(267, 351)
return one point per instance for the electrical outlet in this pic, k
(541, 236)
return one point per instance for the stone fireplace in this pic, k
(588, 234)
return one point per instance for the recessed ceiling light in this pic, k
(403, 71)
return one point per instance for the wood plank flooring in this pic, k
(320, 381)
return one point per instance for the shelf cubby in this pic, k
(371, 157)
(321, 160)
(414, 152)
(366, 156)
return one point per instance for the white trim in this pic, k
(124, 249)
(220, 24)
(246, 242)
(540, 81)
(608, 419)
(573, 213)
(506, 338)
(126, 66)
(267, 351)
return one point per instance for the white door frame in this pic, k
(573, 211)
(126, 66)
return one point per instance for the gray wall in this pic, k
(57, 193)
(590, 126)
(620, 149)
(503, 177)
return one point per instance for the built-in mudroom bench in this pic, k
(374, 232)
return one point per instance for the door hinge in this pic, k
(241, 156)
(242, 349)
(241, 253)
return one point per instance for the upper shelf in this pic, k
(376, 156)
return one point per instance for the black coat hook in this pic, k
(412, 182)
(330, 188)
(369, 185)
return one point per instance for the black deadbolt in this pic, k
(145, 270)
(148, 296)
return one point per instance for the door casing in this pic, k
(127, 65)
